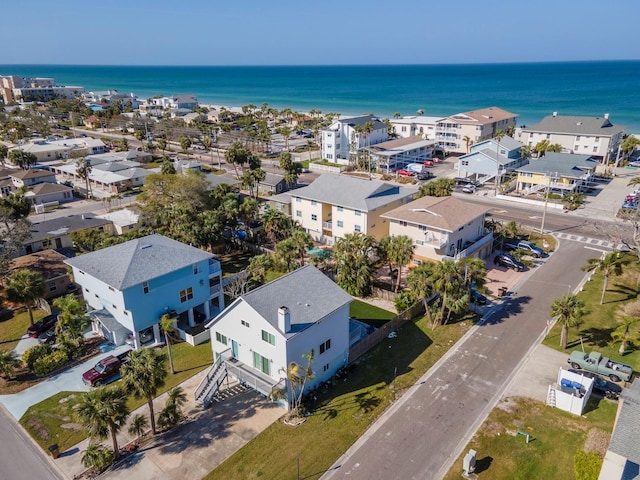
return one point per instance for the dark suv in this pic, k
(42, 326)
(506, 260)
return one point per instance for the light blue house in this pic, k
(490, 157)
(129, 286)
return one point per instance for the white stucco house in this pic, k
(344, 137)
(130, 286)
(263, 331)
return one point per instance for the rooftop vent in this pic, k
(145, 245)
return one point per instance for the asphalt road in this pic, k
(425, 431)
(19, 457)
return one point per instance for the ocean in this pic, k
(531, 90)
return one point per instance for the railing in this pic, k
(213, 375)
(327, 226)
(214, 268)
(438, 242)
(250, 380)
(214, 290)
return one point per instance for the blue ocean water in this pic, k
(532, 90)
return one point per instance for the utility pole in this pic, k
(546, 201)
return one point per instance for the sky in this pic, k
(308, 32)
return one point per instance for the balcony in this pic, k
(327, 228)
(436, 241)
(214, 267)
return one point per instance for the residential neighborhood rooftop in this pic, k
(64, 225)
(482, 116)
(562, 164)
(353, 192)
(598, 126)
(444, 213)
(626, 435)
(139, 260)
(308, 294)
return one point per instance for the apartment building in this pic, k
(343, 138)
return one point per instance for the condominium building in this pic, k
(344, 137)
(23, 89)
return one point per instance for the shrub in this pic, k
(49, 363)
(404, 301)
(587, 465)
(32, 354)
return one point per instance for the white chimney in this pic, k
(284, 319)
(606, 115)
(555, 114)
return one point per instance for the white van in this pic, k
(415, 168)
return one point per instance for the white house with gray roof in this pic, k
(489, 158)
(265, 330)
(334, 205)
(131, 285)
(595, 136)
(344, 137)
(560, 172)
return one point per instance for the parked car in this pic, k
(42, 326)
(48, 337)
(405, 173)
(428, 163)
(635, 163)
(477, 298)
(106, 370)
(596, 363)
(465, 181)
(506, 260)
(600, 385)
(529, 247)
(424, 175)
(470, 188)
(631, 205)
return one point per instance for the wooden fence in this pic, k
(381, 333)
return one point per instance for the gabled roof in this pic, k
(352, 192)
(575, 125)
(48, 262)
(561, 165)
(626, 434)
(46, 188)
(309, 295)
(444, 213)
(57, 227)
(215, 180)
(506, 142)
(482, 116)
(122, 218)
(358, 121)
(136, 261)
(31, 173)
(272, 179)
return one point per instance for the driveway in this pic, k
(68, 381)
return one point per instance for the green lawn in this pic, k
(12, 328)
(342, 414)
(235, 262)
(52, 420)
(369, 314)
(601, 320)
(556, 437)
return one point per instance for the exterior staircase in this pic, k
(209, 387)
(551, 396)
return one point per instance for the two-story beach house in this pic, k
(595, 136)
(559, 172)
(263, 331)
(334, 205)
(413, 125)
(491, 157)
(453, 133)
(395, 154)
(442, 227)
(344, 137)
(130, 286)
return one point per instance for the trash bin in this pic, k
(502, 291)
(54, 450)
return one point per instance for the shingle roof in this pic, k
(63, 226)
(444, 213)
(352, 192)
(358, 121)
(308, 294)
(44, 188)
(31, 173)
(272, 179)
(598, 126)
(560, 164)
(48, 262)
(626, 434)
(482, 116)
(136, 261)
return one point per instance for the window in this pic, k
(298, 199)
(465, 163)
(338, 146)
(419, 242)
(357, 213)
(221, 338)
(145, 287)
(340, 224)
(111, 288)
(548, 136)
(268, 337)
(422, 227)
(325, 346)
(314, 203)
(186, 294)
(576, 147)
(417, 263)
(357, 228)
(325, 368)
(261, 363)
(245, 323)
(577, 138)
(329, 156)
(298, 213)
(329, 134)
(339, 209)
(403, 129)
(314, 217)
(53, 286)
(114, 307)
(195, 269)
(595, 149)
(46, 243)
(403, 223)
(329, 146)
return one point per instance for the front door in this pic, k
(234, 348)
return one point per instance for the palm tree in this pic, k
(302, 242)
(396, 115)
(400, 251)
(276, 223)
(421, 286)
(297, 376)
(207, 143)
(467, 141)
(25, 287)
(143, 374)
(569, 311)
(499, 135)
(420, 112)
(83, 169)
(8, 361)
(103, 412)
(167, 326)
(622, 334)
(138, 426)
(177, 398)
(609, 264)
(72, 321)
(97, 457)
(355, 265)
(259, 266)
(172, 411)
(447, 278)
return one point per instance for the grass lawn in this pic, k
(234, 262)
(556, 437)
(601, 320)
(369, 314)
(52, 420)
(12, 328)
(342, 414)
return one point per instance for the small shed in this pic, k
(570, 393)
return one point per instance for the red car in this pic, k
(42, 326)
(405, 173)
(428, 163)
